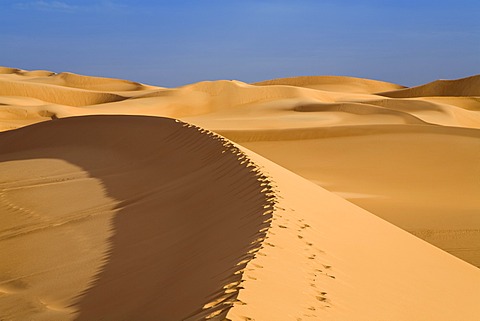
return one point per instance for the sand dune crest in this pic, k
(334, 83)
(174, 240)
(55, 94)
(28, 73)
(68, 79)
(469, 86)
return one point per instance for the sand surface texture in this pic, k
(307, 198)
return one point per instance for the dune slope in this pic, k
(401, 173)
(469, 86)
(149, 209)
(334, 83)
(324, 258)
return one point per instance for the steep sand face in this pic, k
(146, 215)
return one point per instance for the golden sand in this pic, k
(308, 198)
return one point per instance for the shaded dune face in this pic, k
(192, 212)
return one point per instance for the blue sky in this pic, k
(172, 43)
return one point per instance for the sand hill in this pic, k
(469, 86)
(309, 198)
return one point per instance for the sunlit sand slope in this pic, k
(424, 179)
(326, 259)
(469, 86)
(334, 83)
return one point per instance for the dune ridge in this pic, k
(55, 94)
(334, 83)
(69, 79)
(469, 86)
(153, 229)
(21, 72)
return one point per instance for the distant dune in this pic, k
(89, 83)
(55, 94)
(469, 86)
(334, 83)
(288, 199)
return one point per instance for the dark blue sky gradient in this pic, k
(171, 43)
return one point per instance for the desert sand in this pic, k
(307, 198)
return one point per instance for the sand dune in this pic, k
(55, 94)
(69, 79)
(401, 173)
(90, 83)
(334, 83)
(28, 73)
(469, 86)
(124, 205)
(448, 111)
(109, 217)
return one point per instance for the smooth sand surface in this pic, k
(326, 259)
(109, 217)
(469, 86)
